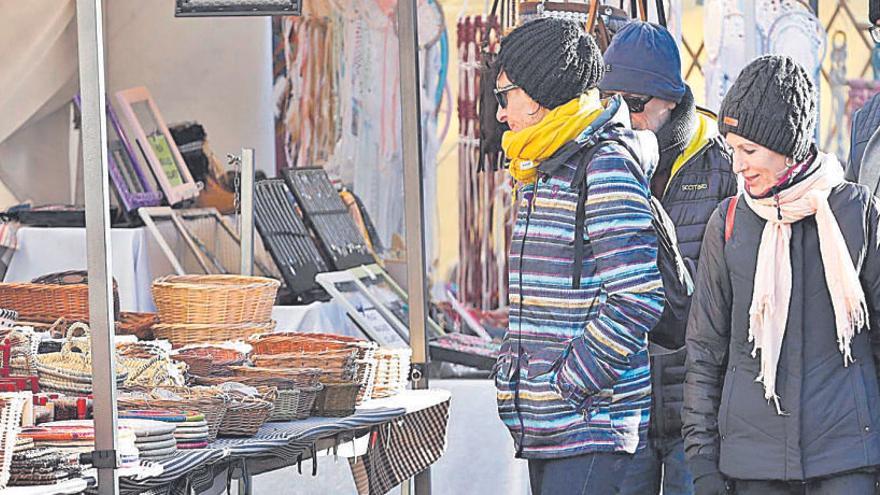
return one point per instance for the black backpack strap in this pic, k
(661, 222)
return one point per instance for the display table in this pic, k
(136, 260)
(418, 416)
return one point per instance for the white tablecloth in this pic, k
(323, 317)
(136, 260)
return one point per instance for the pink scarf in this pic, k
(772, 292)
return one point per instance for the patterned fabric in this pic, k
(573, 374)
(196, 470)
(401, 449)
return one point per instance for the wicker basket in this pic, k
(210, 402)
(210, 360)
(366, 377)
(292, 377)
(336, 400)
(245, 415)
(295, 403)
(187, 334)
(46, 302)
(293, 342)
(138, 324)
(68, 372)
(229, 299)
(337, 366)
(392, 372)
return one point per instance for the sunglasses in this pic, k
(501, 94)
(874, 31)
(636, 104)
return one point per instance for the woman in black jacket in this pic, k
(781, 392)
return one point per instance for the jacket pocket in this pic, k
(726, 392)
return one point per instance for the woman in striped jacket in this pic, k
(573, 383)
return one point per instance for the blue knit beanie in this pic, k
(643, 59)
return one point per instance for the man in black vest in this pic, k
(643, 65)
(864, 153)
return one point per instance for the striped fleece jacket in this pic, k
(573, 376)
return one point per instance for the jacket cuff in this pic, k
(703, 465)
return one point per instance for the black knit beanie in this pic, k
(772, 103)
(552, 60)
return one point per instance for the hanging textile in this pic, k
(787, 27)
(337, 90)
(485, 213)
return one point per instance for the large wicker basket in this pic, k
(198, 333)
(245, 415)
(296, 342)
(291, 342)
(336, 366)
(210, 402)
(230, 299)
(46, 302)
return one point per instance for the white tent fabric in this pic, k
(39, 59)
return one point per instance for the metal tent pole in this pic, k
(407, 28)
(246, 217)
(90, 36)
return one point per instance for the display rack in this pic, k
(287, 239)
(359, 306)
(324, 212)
(389, 297)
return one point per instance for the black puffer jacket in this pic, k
(866, 121)
(689, 188)
(833, 420)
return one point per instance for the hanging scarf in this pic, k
(526, 149)
(768, 313)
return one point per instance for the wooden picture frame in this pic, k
(142, 121)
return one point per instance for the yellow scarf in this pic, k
(527, 148)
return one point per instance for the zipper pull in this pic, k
(778, 208)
